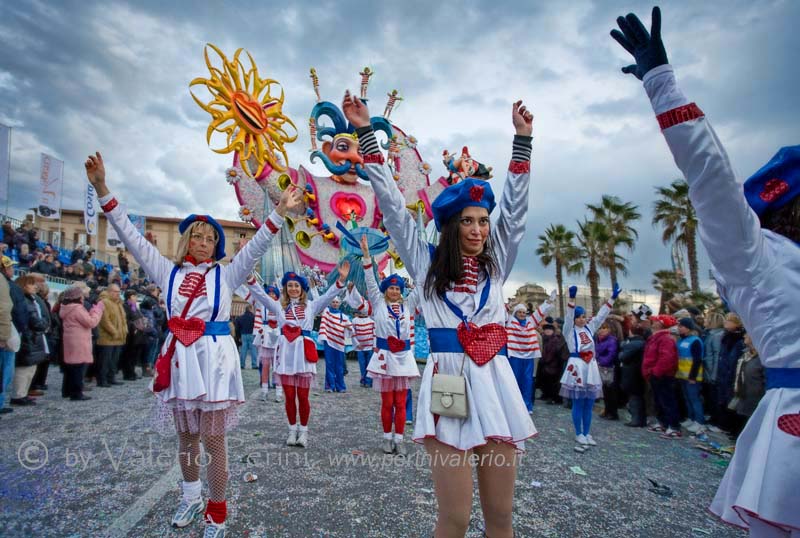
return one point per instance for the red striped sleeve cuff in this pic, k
(109, 206)
(679, 115)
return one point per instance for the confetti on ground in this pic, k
(578, 471)
(536, 484)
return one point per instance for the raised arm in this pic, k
(243, 262)
(538, 315)
(373, 292)
(510, 228)
(397, 219)
(354, 298)
(727, 226)
(605, 310)
(569, 319)
(260, 296)
(154, 263)
(318, 305)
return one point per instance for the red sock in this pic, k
(305, 405)
(387, 402)
(217, 511)
(399, 411)
(289, 392)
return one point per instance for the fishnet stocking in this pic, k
(189, 455)
(217, 471)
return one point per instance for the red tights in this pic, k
(393, 401)
(289, 393)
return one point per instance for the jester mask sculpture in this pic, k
(341, 199)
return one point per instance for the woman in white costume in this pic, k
(296, 353)
(198, 382)
(751, 232)
(464, 309)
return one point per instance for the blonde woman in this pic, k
(198, 382)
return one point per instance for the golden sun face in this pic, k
(244, 107)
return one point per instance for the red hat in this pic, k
(665, 320)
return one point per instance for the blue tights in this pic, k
(582, 415)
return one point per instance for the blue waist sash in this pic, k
(383, 343)
(217, 328)
(783, 378)
(446, 341)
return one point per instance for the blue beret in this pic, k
(273, 289)
(393, 280)
(300, 279)
(219, 253)
(579, 311)
(468, 193)
(777, 183)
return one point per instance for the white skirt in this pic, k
(496, 410)
(762, 479)
(387, 363)
(581, 380)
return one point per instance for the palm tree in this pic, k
(557, 245)
(616, 217)
(592, 240)
(670, 284)
(675, 213)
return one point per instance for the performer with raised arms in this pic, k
(296, 362)
(752, 235)
(464, 309)
(198, 382)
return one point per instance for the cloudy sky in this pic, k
(114, 76)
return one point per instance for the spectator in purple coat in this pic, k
(607, 349)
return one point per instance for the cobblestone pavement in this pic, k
(96, 469)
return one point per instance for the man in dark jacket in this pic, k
(554, 356)
(631, 380)
(158, 318)
(244, 329)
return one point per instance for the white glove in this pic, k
(553, 296)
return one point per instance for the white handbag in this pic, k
(449, 394)
(14, 341)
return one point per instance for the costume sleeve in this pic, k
(242, 264)
(398, 220)
(156, 265)
(729, 229)
(261, 297)
(373, 292)
(319, 304)
(413, 300)
(569, 326)
(90, 319)
(510, 228)
(601, 316)
(356, 301)
(538, 315)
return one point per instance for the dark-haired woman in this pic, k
(463, 279)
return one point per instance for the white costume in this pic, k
(390, 370)
(205, 375)
(581, 379)
(758, 272)
(495, 407)
(290, 362)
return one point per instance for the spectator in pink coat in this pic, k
(77, 339)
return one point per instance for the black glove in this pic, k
(647, 49)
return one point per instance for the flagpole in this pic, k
(61, 208)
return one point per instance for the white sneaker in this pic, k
(302, 439)
(292, 439)
(701, 430)
(694, 427)
(214, 530)
(387, 447)
(278, 394)
(264, 396)
(581, 439)
(686, 423)
(590, 441)
(187, 511)
(400, 448)
(712, 428)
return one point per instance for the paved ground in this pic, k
(106, 474)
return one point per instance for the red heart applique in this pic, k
(272, 323)
(790, 424)
(574, 373)
(482, 343)
(586, 356)
(774, 189)
(396, 345)
(187, 331)
(579, 381)
(570, 367)
(476, 193)
(291, 332)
